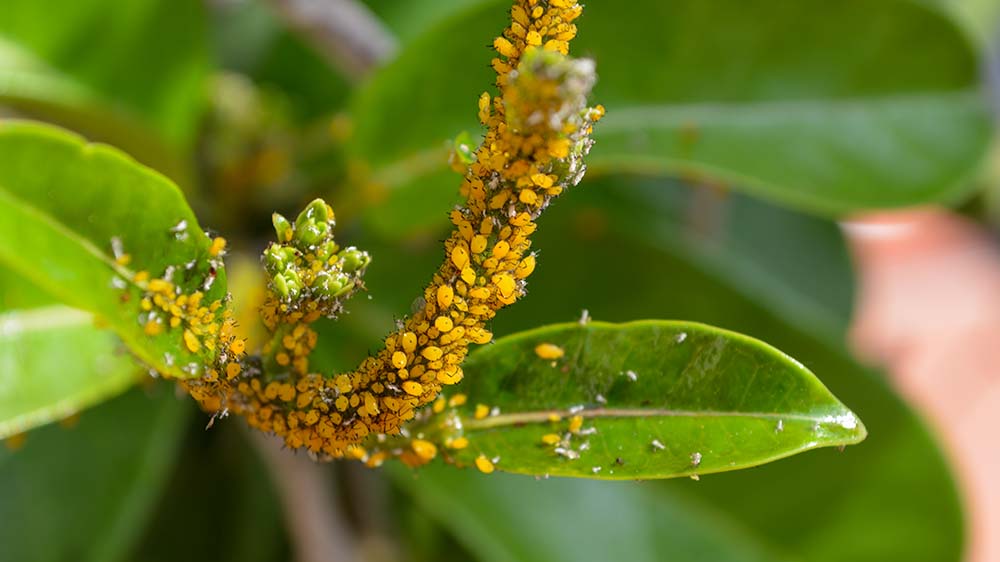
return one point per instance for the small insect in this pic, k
(549, 351)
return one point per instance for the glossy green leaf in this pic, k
(778, 103)
(65, 204)
(144, 62)
(824, 506)
(657, 399)
(84, 493)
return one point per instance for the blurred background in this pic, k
(821, 176)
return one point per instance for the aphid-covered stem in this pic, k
(538, 130)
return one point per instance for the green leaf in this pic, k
(507, 518)
(36, 336)
(824, 506)
(777, 103)
(36, 384)
(64, 205)
(657, 399)
(84, 493)
(144, 61)
(217, 468)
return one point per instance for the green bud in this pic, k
(327, 250)
(354, 259)
(280, 286)
(282, 227)
(315, 212)
(274, 258)
(346, 287)
(327, 286)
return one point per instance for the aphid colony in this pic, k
(538, 130)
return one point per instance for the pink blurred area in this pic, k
(928, 311)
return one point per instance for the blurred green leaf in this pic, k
(36, 337)
(223, 494)
(507, 518)
(145, 60)
(85, 493)
(65, 204)
(776, 103)
(37, 385)
(656, 399)
(806, 277)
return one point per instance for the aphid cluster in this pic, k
(538, 130)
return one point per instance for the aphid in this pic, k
(549, 351)
(484, 464)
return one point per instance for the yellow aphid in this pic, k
(439, 405)
(575, 423)
(445, 294)
(469, 275)
(233, 370)
(444, 324)
(141, 276)
(551, 438)
(409, 342)
(554, 417)
(549, 351)
(519, 15)
(527, 196)
(533, 38)
(191, 341)
(399, 359)
(124, 259)
(505, 284)
(452, 375)
(460, 256)
(482, 410)
(161, 286)
(356, 452)
(457, 443)
(525, 267)
(153, 328)
(504, 47)
(432, 353)
(413, 388)
(424, 449)
(501, 249)
(218, 246)
(457, 400)
(478, 244)
(542, 180)
(238, 346)
(484, 108)
(484, 464)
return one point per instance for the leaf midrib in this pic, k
(544, 416)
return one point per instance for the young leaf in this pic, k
(82, 221)
(777, 104)
(648, 399)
